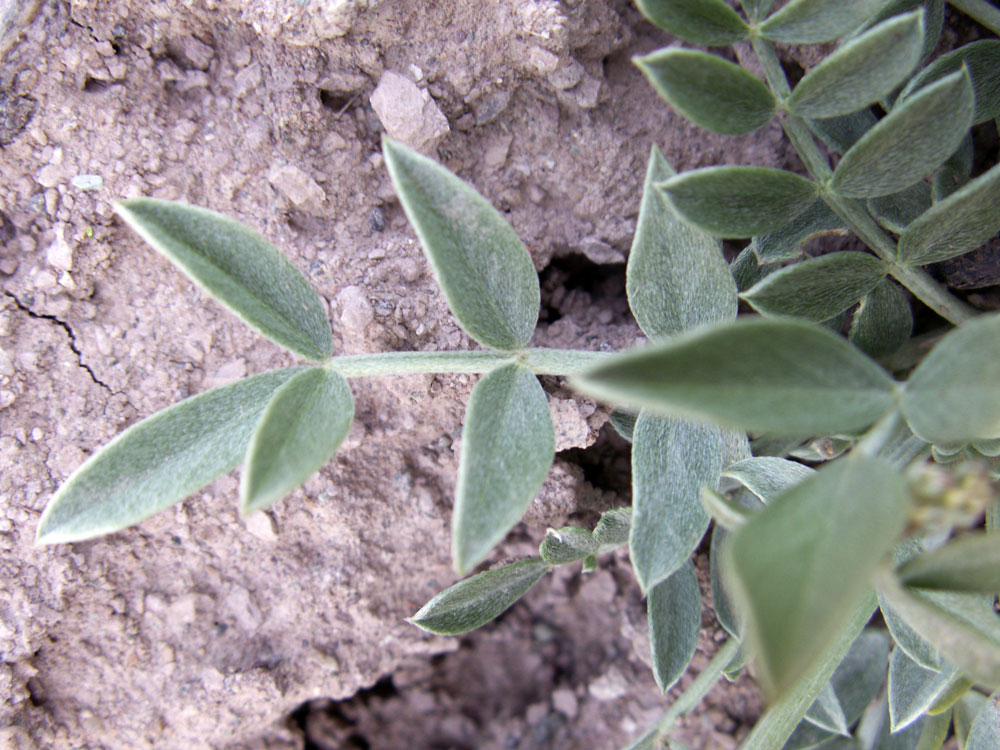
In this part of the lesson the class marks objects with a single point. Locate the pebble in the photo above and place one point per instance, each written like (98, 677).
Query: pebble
(542, 60)
(88, 182)
(566, 76)
(408, 113)
(262, 526)
(564, 701)
(356, 311)
(491, 106)
(298, 187)
(377, 219)
(59, 254)
(610, 686)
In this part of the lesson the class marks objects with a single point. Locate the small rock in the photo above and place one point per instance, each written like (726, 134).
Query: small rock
(191, 53)
(377, 219)
(50, 175)
(601, 252)
(588, 94)
(408, 113)
(491, 106)
(610, 686)
(564, 701)
(496, 152)
(6, 364)
(247, 80)
(356, 311)
(15, 114)
(567, 75)
(298, 187)
(542, 60)
(88, 181)
(59, 254)
(262, 526)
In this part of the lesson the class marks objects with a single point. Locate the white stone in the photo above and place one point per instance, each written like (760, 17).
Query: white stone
(408, 113)
(298, 187)
(261, 525)
(355, 310)
(59, 254)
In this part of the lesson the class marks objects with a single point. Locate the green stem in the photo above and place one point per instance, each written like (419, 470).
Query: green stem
(539, 361)
(854, 215)
(777, 724)
(696, 691)
(981, 12)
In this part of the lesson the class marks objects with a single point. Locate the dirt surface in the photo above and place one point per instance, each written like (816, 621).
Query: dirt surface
(196, 629)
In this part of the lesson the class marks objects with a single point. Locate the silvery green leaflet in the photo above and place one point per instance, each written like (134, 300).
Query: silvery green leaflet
(839, 464)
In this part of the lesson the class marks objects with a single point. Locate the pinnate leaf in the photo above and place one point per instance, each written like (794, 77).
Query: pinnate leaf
(909, 142)
(778, 376)
(711, 92)
(856, 682)
(840, 133)
(756, 9)
(239, 268)
(303, 425)
(897, 211)
(707, 22)
(674, 611)
(914, 689)
(814, 21)
(786, 243)
(160, 461)
(933, 20)
(572, 543)
(883, 322)
(471, 603)
(677, 277)
(982, 58)
(482, 267)
(508, 443)
(672, 460)
(969, 563)
(739, 201)
(965, 630)
(818, 288)
(954, 394)
(956, 225)
(985, 731)
(799, 566)
(861, 72)
(767, 476)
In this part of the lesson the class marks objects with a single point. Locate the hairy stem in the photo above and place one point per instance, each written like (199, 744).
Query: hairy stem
(698, 689)
(854, 215)
(981, 12)
(539, 361)
(780, 720)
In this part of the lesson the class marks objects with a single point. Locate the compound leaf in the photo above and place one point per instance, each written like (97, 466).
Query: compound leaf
(674, 611)
(969, 563)
(913, 689)
(909, 142)
(671, 461)
(818, 288)
(982, 58)
(897, 211)
(508, 444)
(856, 682)
(160, 461)
(677, 277)
(954, 394)
(303, 425)
(965, 631)
(827, 713)
(799, 566)
(478, 599)
(767, 476)
(814, 21)
(883, 322)
(778, 376)
(739, 201)
(711, 92)
(239, 268)
(861, 72)
(756, 9)
(985, 731)
(786, 243)
(572, 543)
(933, 20)
(956, 225)
(706, 22)
(482, 267)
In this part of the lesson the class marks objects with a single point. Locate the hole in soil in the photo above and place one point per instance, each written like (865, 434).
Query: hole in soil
(573, 280)
(338, 101)
(793, 71)
(93, 85)
(324, 721)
